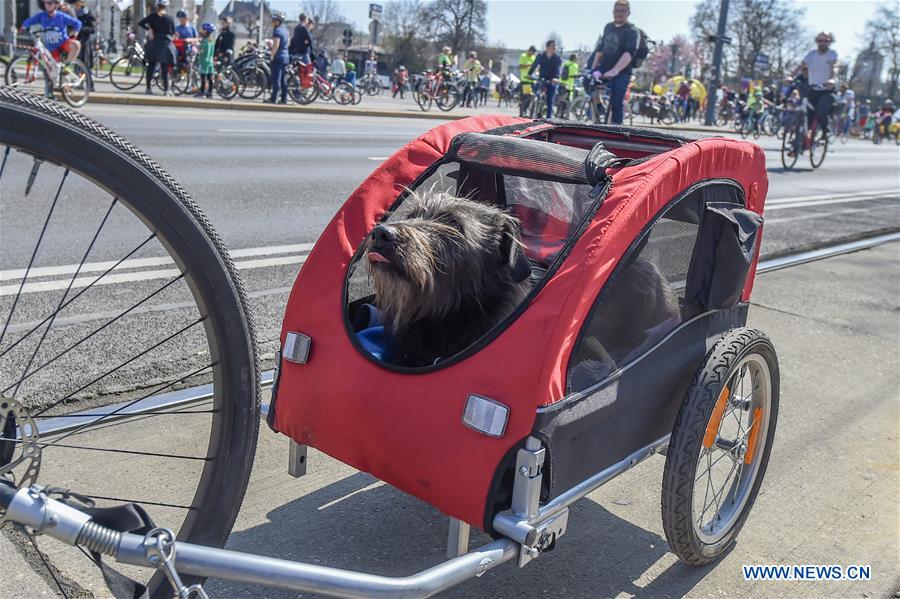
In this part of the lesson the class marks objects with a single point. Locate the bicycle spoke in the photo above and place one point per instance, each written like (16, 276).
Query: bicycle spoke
(34, 254)
(125, 451)
(59, 585)
(142, 414)
(28, 375)
(77, 295)
(62, 299)
(120, 366)
(3, 164)
(140, 501)
(135, 401)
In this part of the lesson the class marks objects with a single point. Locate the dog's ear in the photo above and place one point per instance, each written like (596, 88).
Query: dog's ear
(511, 250)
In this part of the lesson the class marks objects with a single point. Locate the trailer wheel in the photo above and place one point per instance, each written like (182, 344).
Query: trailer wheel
(720, 446)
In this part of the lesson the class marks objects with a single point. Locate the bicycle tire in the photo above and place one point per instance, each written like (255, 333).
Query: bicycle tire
(50, 131)
(301, 95)
(424, 100)
(668, 117)
(254, 81)
(85, 81)
(227, 83)
(131, 72)
(13, 80)
(788, 144)
(447, 97)
(343, 93)
(819, 139)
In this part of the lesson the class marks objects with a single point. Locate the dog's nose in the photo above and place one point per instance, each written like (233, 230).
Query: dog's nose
(384, 234)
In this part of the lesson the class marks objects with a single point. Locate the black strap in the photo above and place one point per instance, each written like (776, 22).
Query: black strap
(128, 517)
(597, 161)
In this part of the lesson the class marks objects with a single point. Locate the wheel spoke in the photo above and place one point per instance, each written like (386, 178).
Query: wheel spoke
(33, 253)
(140, 501)
(135, 401)
(125, 451)
(59, 585)
(3, 164)
(62, 299)
(77, 295)
(92, 333)
(120, 366)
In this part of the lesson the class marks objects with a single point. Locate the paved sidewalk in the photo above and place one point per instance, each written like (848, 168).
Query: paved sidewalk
(19, 580)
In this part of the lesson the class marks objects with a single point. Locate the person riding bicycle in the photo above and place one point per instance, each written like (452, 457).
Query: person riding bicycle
(821, 65)
(614, 56)
(526, 91)
(756, 107)
(884, 118)
(445, 61)
(567, 79)
(848, 114)
(472, 71)
(548, 66)
(55, 26)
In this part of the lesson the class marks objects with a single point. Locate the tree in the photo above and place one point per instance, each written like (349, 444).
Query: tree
(323, 12)
(403, 27)
(460, 24)
(884, 36)
(770, 27)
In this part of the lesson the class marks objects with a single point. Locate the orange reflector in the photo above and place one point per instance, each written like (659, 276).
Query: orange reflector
(712, 429)
(754, 433)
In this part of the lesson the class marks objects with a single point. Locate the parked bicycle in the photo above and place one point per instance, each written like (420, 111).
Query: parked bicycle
(38, 72)
(305, 84)
(435, 90)
(128, 72)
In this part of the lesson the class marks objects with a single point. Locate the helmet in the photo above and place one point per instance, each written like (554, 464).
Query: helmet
(402, 68)
(767, 89)
(208, 27)
(181, 14)
(278, 15)
(888, 102)
(163, 3)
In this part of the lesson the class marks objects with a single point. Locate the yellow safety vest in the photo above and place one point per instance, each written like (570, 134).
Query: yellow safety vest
(569, 73)
(525, 62)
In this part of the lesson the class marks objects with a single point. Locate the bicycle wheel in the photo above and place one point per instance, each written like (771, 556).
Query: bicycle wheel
(184, 81)
(343, 93)
(100, 68)
(447, 97)
(818, 147)
(75, 83)
(579, 108)
(81, 369)
(789, 147)
(668, 117)
(357, 95)
(254, 81)
(372, 86)
(424, 99)
(227, 83)
(300, 94)
(720, 446)
(127, 73)
(28, 75)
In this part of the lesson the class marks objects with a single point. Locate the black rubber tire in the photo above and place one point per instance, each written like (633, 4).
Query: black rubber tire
(447, 97)
(787, 144)
(301, 95)
(684, 446)
(71, 99)
(820, 139)
(134, 66)
(48, 129)
(10, 79)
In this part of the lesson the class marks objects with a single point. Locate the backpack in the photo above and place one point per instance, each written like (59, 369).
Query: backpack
(642, 48)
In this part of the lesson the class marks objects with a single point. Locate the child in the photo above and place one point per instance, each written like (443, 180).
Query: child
(205, 60)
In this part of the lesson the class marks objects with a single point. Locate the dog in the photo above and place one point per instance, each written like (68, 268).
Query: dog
(444, 275)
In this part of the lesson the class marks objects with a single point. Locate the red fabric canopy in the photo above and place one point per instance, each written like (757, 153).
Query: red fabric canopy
(406, 429)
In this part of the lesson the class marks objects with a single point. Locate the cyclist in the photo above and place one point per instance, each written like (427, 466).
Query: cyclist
(185, 34)
(548, 65)
(848, 99)
(205, 60)
(160, 50)
(756, 107)
(821, 65)
(224, 47)
(471, 69)
(567, 85)
(280, 57)
(338, 66)
(613, 57)
(401, 77)
(55, 35)
(351, 71)
(526, 60)
(885, 117)
(445, 61)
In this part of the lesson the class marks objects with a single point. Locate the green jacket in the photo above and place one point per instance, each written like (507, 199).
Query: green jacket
(569, 74)
(205, 58)
(525, 63)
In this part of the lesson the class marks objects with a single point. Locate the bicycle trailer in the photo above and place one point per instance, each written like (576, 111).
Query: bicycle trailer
(576, 385)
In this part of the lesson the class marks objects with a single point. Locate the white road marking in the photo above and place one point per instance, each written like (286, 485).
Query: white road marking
(310, 132)
(146, 275)
(378, 158)
(833, 196)
(133, 263)
(808, 204)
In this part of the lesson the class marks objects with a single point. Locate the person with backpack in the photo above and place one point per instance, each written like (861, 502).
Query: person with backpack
(620, 48)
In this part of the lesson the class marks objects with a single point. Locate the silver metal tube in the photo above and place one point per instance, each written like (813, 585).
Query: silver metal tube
(31, 508)
(278, 573)
(522, 531)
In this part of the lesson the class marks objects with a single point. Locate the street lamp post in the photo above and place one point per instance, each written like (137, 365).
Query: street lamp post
(717, 64)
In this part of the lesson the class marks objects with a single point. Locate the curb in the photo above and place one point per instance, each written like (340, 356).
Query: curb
(140, 100)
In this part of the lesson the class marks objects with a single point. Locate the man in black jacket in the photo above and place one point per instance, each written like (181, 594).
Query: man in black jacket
(85, 34)
(614, 56)
(224, 47)
(548, 66)
(301, 41)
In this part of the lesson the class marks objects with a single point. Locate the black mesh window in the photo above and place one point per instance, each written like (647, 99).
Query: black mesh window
(642, 301)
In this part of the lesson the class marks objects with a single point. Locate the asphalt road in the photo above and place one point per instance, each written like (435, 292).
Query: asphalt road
(270, 184)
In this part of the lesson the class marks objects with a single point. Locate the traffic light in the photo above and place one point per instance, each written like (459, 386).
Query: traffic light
(348, 37)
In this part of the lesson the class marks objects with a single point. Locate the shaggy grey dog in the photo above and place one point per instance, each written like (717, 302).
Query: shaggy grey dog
(444, 275)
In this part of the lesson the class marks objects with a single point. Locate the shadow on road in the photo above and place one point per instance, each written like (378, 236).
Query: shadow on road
(360, 524)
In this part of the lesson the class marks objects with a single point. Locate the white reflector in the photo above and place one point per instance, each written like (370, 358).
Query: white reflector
(486, 416)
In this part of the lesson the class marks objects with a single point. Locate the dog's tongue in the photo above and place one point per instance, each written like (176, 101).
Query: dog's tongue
(376, 257)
